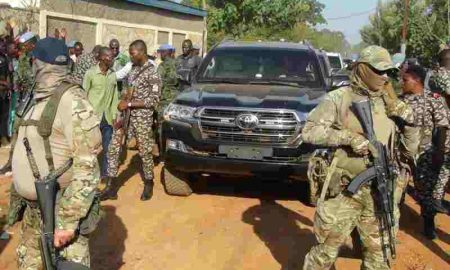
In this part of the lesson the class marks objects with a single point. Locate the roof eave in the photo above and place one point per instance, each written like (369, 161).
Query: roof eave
(172, 6)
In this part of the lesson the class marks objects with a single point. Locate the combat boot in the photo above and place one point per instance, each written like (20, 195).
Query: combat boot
(147, 193)
(440, 207)
(110, 192)
(429, 229)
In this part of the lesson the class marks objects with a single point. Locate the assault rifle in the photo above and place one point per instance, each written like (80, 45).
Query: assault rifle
(46, 189)
(126, 120)
(380, 175)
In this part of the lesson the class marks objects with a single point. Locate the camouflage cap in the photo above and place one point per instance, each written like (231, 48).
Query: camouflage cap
(377, 57)
(3, 31)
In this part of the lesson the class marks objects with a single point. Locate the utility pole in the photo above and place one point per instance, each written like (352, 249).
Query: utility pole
(380, 34)
(405, 28)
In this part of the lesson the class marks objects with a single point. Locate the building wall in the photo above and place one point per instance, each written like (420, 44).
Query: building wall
(23, 20)
(102, 20)
(76, 30)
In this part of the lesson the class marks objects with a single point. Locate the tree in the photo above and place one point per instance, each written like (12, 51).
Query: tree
(247, 17)
(425, 31)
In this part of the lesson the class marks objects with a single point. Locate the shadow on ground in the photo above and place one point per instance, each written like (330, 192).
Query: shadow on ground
(250, 187)
(282, 230)
(412, 224)
(107, 244)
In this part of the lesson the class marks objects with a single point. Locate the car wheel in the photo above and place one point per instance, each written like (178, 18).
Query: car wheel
(176, 183)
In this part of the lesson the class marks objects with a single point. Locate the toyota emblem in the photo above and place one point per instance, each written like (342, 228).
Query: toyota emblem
(247, 121)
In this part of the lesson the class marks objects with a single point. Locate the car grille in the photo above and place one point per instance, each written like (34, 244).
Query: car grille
(275, 127)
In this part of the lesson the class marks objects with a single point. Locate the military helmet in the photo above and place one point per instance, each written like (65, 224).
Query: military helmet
(377, 57)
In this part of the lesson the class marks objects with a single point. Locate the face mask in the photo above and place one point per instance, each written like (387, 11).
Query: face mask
(374, 82)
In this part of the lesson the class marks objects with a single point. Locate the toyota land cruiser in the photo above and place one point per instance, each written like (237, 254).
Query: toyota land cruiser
(243, 114)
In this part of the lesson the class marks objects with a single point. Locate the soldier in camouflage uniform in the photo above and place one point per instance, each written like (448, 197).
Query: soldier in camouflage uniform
(431, 116)
(168, 72)
(83, 64)
(75, 134)
(442, 86)
(145, 98)
(333, 124)
(25, 77)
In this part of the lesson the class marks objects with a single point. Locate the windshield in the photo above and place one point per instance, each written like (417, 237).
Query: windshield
(335, 62)
(260, 65)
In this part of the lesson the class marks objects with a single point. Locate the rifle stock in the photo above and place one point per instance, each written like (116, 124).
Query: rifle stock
(382, 173)
(46, 189)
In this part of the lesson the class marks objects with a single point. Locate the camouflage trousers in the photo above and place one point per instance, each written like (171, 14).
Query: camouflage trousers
(141, 129)
(334, 221)
(430, 183)
(28, 253)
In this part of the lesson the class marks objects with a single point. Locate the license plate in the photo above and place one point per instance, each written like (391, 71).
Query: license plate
(245, 152)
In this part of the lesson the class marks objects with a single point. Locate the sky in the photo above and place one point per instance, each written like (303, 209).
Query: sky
(348, 8)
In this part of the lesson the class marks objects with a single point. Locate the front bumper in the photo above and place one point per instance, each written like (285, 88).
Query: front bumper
(188, 152)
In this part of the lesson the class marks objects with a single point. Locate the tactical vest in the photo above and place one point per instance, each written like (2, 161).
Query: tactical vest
(349, 165)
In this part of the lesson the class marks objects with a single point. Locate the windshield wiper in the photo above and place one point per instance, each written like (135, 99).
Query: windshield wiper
(275, 82)
(230, 81)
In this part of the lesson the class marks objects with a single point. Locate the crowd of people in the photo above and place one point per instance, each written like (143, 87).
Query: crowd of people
(103, 73)
(77, 106)
(72, 105)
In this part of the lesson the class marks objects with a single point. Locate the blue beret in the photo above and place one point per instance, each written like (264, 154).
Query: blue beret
(166, 47)
(52, 51)
(71, 44)
(26, 37)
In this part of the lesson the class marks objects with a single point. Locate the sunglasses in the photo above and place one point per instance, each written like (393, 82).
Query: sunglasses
(389, 72)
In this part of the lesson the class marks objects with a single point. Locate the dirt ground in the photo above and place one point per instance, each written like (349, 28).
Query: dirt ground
(227, 224)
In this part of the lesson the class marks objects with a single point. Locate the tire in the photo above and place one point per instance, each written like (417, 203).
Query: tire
(176, 183)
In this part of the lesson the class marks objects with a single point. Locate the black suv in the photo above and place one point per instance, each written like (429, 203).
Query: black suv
(244, 114)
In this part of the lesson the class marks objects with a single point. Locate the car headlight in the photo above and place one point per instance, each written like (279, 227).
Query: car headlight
(179, 112)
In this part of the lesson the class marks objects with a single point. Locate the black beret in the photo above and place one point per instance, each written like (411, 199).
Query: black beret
(52, 51)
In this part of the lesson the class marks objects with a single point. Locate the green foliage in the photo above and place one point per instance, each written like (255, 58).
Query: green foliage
(427, 28)
(291, 20)
(247, 17)
(193, 3)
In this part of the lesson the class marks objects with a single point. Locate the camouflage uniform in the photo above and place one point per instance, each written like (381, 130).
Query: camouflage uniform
(74, 135)
(170, 88)
(333, 124)
(83, 64)
(25, 78)
(147, 89)
(442, 79)
(430, 112)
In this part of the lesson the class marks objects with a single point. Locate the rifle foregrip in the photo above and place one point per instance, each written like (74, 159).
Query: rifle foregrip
(361, 179)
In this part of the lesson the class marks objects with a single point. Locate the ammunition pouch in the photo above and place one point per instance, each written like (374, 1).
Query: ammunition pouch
(93, 217)
(319, 167)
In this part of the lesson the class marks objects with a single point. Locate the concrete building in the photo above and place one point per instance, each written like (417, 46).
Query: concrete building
(98, 21)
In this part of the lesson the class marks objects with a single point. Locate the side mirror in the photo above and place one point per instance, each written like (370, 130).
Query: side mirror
(338, 81)
(185, 75)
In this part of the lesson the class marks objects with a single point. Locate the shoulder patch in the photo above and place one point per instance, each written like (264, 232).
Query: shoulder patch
(436, 95)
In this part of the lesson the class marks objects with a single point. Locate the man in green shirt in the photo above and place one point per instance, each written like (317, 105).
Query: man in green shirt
(100, 85)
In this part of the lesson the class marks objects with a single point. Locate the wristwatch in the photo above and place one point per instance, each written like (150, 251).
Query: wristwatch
(129, 105)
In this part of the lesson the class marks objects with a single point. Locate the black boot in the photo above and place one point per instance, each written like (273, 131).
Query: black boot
(147, 193)
(110, 192)
(429, 229)
(440, 207)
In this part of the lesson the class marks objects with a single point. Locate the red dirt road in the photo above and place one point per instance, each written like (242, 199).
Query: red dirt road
(227, 224)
